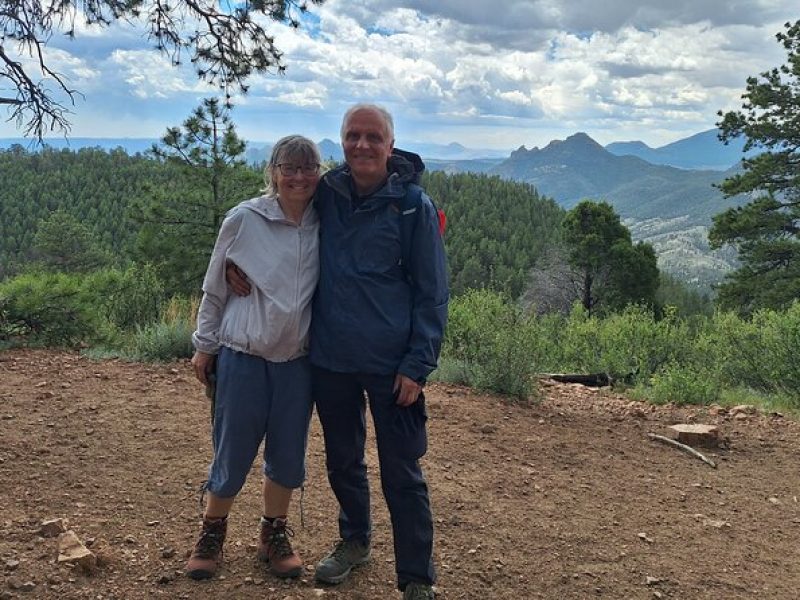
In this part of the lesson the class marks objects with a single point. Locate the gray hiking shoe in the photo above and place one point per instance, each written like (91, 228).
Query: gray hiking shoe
(335, 567)
(418, 591)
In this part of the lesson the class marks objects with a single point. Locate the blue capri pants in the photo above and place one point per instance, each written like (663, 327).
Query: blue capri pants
(258, 400)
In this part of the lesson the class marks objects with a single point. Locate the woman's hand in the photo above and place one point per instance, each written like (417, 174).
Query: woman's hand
(203, 365)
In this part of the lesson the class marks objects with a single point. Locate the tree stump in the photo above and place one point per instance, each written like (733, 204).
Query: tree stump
(706, 436)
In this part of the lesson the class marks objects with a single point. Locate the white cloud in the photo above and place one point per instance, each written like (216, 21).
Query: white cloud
(151, 75)
(506, 73)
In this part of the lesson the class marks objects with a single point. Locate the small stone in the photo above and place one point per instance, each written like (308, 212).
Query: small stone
(165, 578)
(14, 583)
(167, 552)
(248, 580)
(11, 565)
(52, 528)
(652, 580)
(774, 500)
(153, 523)
(643, 536)
(72, 551)
(129, 539)
(28, 586)
(488, 428)
(716, 523)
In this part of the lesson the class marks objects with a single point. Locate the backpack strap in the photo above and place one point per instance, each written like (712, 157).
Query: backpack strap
(409, 208)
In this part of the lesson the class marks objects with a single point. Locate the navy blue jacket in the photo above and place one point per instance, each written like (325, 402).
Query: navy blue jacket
(375, 310)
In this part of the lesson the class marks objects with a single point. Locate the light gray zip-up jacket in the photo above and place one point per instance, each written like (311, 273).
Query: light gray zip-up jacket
(281, 260)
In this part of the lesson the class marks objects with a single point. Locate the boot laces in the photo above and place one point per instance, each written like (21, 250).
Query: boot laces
(279, 539)
(210, 542)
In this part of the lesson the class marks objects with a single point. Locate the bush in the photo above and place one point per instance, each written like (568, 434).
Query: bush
(160, 342)
(631, 345)
(759, 353)
(681, 385)
(167, 339)
(50, 309)
(494, 341)
(67, 309)
(130, 297)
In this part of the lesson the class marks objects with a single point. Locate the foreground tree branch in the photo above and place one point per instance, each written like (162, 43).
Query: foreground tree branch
(225, 45)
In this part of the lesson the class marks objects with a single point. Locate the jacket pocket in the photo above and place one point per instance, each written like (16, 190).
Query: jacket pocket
(379, 248)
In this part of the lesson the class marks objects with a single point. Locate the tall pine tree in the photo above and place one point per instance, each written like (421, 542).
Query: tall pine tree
(766, 231)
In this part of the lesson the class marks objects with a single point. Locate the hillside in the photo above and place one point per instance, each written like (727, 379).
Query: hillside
(561, 499)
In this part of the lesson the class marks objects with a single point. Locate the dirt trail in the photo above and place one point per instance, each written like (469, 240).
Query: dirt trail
(566, 498)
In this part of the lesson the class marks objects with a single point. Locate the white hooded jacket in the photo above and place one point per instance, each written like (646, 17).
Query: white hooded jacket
(281, 261)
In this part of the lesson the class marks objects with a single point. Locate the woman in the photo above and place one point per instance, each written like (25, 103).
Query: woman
(256, 346)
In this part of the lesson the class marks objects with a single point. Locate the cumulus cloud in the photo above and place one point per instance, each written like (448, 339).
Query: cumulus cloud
(501, 73)
(151, 75)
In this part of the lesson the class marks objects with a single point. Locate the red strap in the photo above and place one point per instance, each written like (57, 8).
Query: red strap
(442, 221)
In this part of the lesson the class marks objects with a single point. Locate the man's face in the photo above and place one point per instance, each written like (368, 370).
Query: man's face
(367, 146)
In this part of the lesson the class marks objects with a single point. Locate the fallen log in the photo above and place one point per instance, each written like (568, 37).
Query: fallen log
(682, 447)
(590, 380)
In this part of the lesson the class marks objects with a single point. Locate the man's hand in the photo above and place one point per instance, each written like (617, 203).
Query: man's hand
(407, 390)
(203, 365)
(236, 279)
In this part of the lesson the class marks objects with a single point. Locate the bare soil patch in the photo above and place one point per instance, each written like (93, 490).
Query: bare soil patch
(565, 498)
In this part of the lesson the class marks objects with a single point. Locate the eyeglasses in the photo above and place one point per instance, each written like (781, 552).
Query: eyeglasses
(287, 169)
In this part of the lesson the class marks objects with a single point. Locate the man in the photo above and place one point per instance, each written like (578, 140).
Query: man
(378, 319)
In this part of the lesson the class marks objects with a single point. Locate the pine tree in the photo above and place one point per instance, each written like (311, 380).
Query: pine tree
(766, 231)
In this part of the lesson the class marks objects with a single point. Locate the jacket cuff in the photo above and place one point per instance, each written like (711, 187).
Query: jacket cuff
(204, 345)
(414, 370)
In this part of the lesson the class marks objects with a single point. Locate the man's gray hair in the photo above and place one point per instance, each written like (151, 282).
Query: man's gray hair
(292, 148)
(385, 114)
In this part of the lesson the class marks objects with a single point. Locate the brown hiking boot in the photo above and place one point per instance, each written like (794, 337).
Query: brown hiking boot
(275, 548)
(206, 557)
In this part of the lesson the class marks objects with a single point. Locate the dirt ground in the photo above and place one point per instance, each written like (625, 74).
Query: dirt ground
(564, 498)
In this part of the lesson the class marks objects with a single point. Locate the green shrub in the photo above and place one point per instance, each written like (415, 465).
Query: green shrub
(451, 370)
(50, 309)
(130, 297)
(67, 309)
(494, 341)
(758, 353)
(631, 345)
(160, 342)
(681, 385)
(166, 339)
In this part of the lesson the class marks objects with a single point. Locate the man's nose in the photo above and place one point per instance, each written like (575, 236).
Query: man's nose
(361, 142)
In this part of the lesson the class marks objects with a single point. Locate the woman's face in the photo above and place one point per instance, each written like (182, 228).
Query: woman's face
(295, 179)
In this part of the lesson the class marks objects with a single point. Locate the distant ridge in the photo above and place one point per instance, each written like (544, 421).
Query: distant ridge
(700, 151)
(578, 167)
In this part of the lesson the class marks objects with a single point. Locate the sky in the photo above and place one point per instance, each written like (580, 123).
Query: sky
(483, 74)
